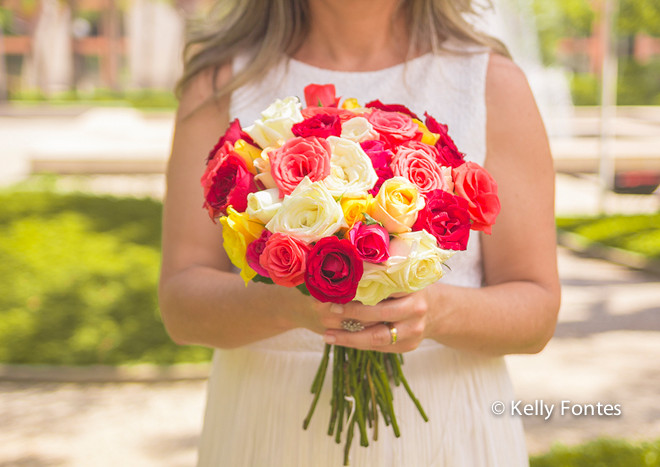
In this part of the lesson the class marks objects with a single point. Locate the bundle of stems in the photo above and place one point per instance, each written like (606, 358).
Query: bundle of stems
(361, 392)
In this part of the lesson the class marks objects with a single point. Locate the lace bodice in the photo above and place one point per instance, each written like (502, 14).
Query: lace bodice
(450, 87)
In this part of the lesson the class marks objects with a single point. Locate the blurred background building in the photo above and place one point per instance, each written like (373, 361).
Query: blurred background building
(55, 46)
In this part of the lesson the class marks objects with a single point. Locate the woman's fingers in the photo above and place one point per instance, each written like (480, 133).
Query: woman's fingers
(377, 337)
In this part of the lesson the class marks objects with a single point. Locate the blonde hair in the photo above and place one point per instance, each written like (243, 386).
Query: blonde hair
(267, 30)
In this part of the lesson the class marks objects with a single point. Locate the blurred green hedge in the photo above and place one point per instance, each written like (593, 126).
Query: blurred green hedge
(601, 453)
(78, 281)
(639, 233)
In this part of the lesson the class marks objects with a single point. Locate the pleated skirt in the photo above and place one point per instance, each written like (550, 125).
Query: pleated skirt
(258, 398)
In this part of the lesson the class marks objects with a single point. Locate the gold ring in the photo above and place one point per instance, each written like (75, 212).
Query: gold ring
(393, 333)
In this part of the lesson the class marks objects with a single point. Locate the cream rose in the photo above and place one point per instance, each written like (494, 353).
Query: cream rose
(375, 285)
(351, 170)
(276, 122)
(262, 205)
(397, 204)
(415, 260)
(309, 213)
(358, 129)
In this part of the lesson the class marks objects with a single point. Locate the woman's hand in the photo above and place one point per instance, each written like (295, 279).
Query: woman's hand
(409, 314)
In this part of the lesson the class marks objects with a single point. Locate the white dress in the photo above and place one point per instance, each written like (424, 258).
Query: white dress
(258, 395)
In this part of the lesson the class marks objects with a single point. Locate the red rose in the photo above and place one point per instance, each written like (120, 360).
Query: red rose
(299, 158)
(372, 242)
(475, 184)
(321, 95)
(381, 157)
(284, 258)
(343, 114)
(254, 250)
(226, 182)
(394, 127)
(321, 125)
(233, 134)
(449, 156)
(391, 108)
(446, 217)
(418, 162)
(334, 270)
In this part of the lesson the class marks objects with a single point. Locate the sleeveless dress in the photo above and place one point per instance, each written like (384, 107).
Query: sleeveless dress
(258, 395)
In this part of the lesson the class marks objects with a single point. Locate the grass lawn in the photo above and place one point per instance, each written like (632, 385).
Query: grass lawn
(78, 279)
(601, 453)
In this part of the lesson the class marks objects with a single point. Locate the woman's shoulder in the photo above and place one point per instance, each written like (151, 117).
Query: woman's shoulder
(505, 81)
(201, 90)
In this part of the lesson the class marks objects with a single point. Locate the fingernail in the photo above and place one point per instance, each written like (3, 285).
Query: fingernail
(335, 308)
(329, 339)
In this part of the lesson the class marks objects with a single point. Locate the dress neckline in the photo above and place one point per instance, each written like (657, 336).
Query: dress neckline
(306, 66)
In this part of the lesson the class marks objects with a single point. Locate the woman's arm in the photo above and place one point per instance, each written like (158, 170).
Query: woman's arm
(517, 310)
(201, 301)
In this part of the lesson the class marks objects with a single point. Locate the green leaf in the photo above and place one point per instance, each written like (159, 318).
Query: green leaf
(303, 288)
(368, 220)
(264, 279)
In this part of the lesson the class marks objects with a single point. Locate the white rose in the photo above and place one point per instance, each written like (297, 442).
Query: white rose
(375, 285)
(309, 213)
(276, 122)
(262, 205)
(358, 129)
(416, 260)
(351, 171)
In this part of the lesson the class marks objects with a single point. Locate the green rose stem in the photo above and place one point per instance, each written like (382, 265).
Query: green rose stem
(361, 386)
(317, 385)
(408, 390)
(372, 393)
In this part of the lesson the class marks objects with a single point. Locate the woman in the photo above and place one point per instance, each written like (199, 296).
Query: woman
(501, 296)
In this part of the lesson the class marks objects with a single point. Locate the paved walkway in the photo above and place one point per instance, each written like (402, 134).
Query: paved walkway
(605, 350)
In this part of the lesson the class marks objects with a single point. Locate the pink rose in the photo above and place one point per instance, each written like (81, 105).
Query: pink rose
(299, 158)
(381, 157)
(233, 134)
(321, 125)
(394, 127)
(391, 108)
(446, 217)
(417, 162)
(226, 182)
(284, 258)
(372, 242)
(334, 270)
(475, 184)
(321, 95)
(254, 250)
(449, 155)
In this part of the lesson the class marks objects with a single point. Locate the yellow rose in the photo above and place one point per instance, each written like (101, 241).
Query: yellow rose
(248, 152)
(238, 231)
(397, 204)
(350, 104)
(427, 136)
(354, 208)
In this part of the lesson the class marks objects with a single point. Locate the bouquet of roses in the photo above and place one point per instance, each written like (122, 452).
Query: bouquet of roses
(346, 203)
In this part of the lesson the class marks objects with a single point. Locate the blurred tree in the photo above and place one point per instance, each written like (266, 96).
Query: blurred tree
(556, 19)
(639, 16)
